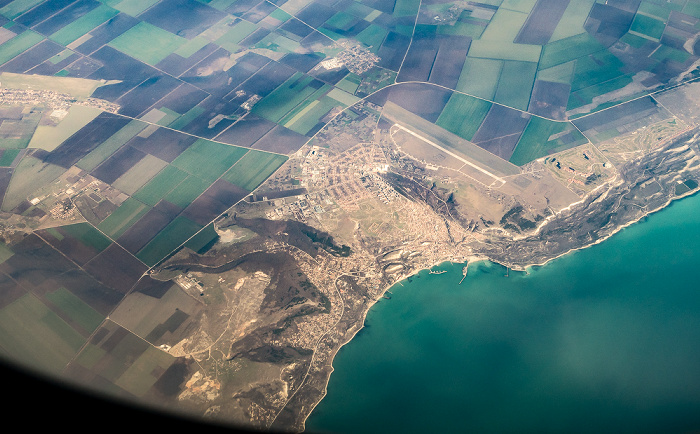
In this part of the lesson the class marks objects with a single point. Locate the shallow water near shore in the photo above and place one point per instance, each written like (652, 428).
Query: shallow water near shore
(605, 339)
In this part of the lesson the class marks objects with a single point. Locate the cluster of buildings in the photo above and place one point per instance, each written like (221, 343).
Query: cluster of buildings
(300, 208)
(375, 184)
(51, 99)
(355, 57)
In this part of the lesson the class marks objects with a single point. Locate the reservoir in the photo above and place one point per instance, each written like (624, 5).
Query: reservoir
(605, 339)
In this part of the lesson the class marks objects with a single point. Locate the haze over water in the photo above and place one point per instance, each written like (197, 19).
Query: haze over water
(606, 339)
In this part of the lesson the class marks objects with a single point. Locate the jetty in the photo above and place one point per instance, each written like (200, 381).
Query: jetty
(465, 269)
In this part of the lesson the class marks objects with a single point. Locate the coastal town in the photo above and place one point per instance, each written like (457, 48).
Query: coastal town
(202, 200)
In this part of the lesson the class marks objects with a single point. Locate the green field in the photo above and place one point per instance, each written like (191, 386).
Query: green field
(8, 156)
(187, 191)
(463, 115)
(562, 73)
(571, 23)
(648, 26)
(280, 15)
(534, 142)
(147, 43)
(519, 5)
(161, 184)
(504, 50)
(236, 34)
(254, 168)
(594, 69)
(340, 20)
(634, 40)
(344, 98)
(139, 174)
(692, 8)
(76, 309)
(204, 239)
(58, 58)
(111, 145)
(84, 24)
(479, 77)
(31, 333)
(278, 43)
(18, 7)
(192, 46)
(463, 27)
(282, 100)
(208, 160)
(123, 217)
(186, 118)
(19, 44)
(350, 83)
(662, 11)
(586, 95)
(169, 118)
(306, 104)
(504, 26)
(496, 41)
(130, 7)
(87, 235)
(403, 8)
(167, 240)
(307, 118)
(515, 84)
(566, 50)
(664, 53)
(372, 36)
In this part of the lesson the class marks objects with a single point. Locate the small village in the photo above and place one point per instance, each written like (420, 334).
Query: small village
(52, 100)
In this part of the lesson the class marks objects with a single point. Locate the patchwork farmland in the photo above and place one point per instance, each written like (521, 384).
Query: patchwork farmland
(128, 127)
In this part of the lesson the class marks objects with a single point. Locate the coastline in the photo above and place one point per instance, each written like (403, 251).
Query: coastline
(478, 258)
(600, 240)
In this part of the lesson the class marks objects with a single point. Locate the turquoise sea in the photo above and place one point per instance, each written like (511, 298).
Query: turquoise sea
(606, 339)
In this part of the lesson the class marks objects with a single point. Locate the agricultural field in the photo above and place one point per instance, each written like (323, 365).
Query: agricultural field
(156, 318)
(253, 168)
(160, 43)
(17, 126)
(621, 119)
(37, 336)
(463, 114)
(542, 137)
(123, 359)
(170, 112)
(48, 137)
